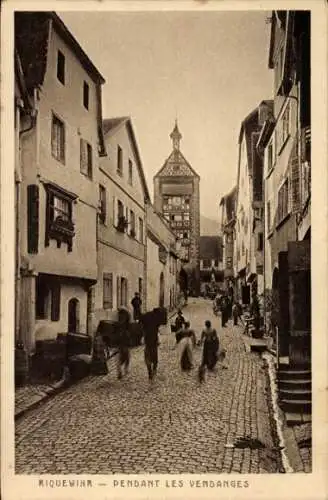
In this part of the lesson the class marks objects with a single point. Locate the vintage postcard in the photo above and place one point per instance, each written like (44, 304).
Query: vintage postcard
(164, 250)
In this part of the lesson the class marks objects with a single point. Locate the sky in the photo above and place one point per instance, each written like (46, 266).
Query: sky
(207, 69)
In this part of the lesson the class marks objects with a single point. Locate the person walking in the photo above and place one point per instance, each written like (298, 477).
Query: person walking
(236, 313)
(179, 323)
(136, 304)
(186, 345)
(224, 310)
(150, 324)
(98, 361)
(123, 342)
(210, 341)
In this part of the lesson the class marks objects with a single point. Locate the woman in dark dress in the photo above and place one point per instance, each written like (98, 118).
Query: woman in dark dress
(179, 323)
(210, 349)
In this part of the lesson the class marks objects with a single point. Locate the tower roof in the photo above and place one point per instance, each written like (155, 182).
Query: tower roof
(176, 164)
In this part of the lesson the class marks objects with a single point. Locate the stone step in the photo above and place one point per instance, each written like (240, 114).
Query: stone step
(295, 394)
(295, 383)
(296, 405)
(297, 418)
(294, 374)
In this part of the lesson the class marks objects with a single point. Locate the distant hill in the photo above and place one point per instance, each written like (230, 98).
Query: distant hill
(209, 227)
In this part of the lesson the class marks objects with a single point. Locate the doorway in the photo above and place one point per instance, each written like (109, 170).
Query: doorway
(73, 316)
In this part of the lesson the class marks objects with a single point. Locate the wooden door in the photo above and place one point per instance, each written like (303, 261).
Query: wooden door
(299, 271)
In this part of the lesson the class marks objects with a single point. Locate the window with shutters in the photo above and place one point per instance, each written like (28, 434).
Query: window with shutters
(120, 209)
(119, 161)
(85, 95)
(121, 219)
(61, 67)
(118, 292)
(58, 139)
(294, 178)
(130, 172)
(132, 222)
(283, 202)
(47, 298)
(278, 70)
(141, 230)
(102, 204)
(32, 218)
(85, 158)
(108, 291)
(285, 124)
(55, 302)
(42, 298)
(124, 292)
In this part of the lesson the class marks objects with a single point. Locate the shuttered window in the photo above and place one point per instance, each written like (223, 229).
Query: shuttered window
(102, 204)
(286, 124)
(130, 172)
(124, 292)
(58, 139)
(141, 230)
(132, 222)
(283, 204)
(108, 291)
(85, 158)
(119, 161)
(55, 302)
(32, 218)
(120, 209)
(118, 291)
(294, 178)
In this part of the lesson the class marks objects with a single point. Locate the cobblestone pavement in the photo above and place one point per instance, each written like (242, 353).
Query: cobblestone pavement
(172, 425)
(303, 437)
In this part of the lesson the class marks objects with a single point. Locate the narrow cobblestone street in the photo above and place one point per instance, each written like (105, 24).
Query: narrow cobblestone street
(174, 425)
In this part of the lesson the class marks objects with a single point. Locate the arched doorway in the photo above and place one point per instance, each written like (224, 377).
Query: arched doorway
(161, 290)
(73, 315)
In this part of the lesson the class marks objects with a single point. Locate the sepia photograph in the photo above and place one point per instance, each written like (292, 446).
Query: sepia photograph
(162, 238)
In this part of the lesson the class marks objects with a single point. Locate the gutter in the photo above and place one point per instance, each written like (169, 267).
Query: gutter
(276, 411)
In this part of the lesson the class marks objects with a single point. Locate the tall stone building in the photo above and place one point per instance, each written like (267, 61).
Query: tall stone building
(176, 196)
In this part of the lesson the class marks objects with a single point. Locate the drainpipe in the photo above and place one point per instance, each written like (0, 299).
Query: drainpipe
(18, 180)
